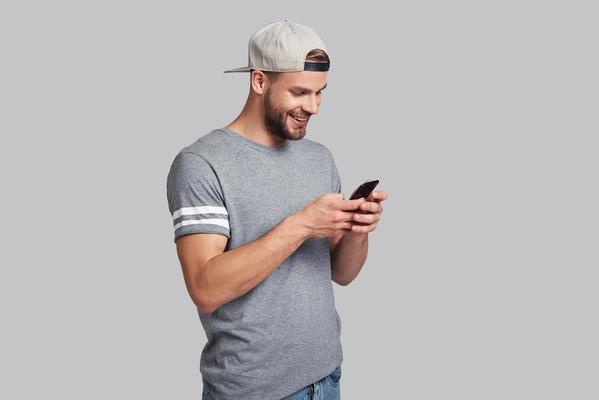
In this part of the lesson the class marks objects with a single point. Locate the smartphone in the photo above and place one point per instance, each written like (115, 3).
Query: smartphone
(364, 189)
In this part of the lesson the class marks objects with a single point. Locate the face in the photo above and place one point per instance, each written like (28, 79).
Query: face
(293, 94)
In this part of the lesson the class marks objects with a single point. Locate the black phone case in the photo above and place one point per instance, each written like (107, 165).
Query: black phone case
(364, 189)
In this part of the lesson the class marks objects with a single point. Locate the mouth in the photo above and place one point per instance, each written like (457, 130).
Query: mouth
(299, 122)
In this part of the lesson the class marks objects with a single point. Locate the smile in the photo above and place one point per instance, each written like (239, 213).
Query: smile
(300, 122)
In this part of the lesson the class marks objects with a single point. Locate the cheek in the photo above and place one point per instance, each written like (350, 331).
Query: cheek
(285, 104)
(291, 105)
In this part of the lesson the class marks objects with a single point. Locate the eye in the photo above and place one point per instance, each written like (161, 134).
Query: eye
(302, 93)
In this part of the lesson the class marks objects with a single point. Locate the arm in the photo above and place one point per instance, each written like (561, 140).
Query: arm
(231, 274)
(348, 254)
(214, 277)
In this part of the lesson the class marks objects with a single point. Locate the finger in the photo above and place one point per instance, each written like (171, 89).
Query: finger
(371, 207)
(351, 204)
(377, 195)
(346, 226)
(345, 216)
(366, 218)
(342, 228)
(363, 228)
(368, 206)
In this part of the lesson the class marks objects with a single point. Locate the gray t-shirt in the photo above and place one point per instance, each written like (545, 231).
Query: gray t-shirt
(285, 333)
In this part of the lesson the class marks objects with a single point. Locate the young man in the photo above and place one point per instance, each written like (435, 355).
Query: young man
(262, 228)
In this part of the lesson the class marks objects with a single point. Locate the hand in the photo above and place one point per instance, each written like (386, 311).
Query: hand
(329, 215)
(369, 214)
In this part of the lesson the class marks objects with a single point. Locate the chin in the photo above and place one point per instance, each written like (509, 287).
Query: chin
(296, 135)
(292, 131)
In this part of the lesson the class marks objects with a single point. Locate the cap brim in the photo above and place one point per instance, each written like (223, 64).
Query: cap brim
(241, 69)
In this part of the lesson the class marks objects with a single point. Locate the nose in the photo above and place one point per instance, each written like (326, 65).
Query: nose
(311, 105)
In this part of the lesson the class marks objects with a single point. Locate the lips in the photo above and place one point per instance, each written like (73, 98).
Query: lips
(299, 122)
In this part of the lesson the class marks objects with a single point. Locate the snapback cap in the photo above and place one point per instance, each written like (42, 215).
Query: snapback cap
(282, 46)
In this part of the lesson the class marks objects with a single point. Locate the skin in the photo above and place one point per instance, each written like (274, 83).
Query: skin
(266, 116)
(215, 277)
(266, 119)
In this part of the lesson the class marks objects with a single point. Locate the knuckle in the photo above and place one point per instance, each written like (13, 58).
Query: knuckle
(341, 216)
(338, 216)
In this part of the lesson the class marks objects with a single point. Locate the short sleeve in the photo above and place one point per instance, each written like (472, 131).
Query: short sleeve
(335, 178)
(195, 197)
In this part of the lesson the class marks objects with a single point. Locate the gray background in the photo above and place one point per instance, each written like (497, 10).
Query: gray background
(479, 118)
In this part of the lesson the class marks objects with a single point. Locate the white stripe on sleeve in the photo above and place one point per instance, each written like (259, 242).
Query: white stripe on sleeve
(199, 210)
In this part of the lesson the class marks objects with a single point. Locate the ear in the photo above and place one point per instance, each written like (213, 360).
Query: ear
(258, 81)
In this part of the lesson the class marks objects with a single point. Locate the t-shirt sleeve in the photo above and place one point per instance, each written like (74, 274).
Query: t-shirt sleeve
(195, 197)
(335, 177)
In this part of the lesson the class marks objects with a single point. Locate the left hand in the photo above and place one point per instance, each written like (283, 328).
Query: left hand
(369, 213)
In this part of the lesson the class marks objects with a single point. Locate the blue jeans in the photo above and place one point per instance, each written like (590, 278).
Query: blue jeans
(328, 388)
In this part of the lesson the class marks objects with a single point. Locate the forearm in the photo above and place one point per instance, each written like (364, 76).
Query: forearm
(235, 272)
(348, 257)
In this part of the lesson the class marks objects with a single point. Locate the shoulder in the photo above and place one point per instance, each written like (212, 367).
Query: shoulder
(210, 145)
(209, 149)
(201, 156)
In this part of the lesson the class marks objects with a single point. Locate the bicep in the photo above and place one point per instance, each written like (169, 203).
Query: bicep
(194, 252)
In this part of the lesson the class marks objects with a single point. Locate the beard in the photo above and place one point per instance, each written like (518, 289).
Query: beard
(275, 121)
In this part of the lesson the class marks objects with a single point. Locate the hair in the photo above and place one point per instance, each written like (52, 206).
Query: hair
(315, 55)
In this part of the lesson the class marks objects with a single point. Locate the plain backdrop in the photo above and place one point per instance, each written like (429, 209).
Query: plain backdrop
(479, 119)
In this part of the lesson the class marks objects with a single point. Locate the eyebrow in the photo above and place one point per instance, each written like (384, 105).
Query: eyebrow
(306, 89)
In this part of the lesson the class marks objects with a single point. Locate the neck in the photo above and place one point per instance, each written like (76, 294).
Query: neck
(250, 124)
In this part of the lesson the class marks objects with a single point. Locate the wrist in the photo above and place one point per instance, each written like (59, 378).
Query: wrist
(356, 237)
(297, 224)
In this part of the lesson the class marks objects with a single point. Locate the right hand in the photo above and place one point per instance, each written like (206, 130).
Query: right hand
(330, 215)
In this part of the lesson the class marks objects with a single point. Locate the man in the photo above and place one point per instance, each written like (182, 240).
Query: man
(262, 228)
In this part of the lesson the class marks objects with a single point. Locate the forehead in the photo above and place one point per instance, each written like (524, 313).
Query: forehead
(313, 80)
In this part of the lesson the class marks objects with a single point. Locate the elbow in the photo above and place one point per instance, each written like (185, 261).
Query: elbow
(202, 302)
(335, 278)
(204, 306)
(341, 283)
(203, 297)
